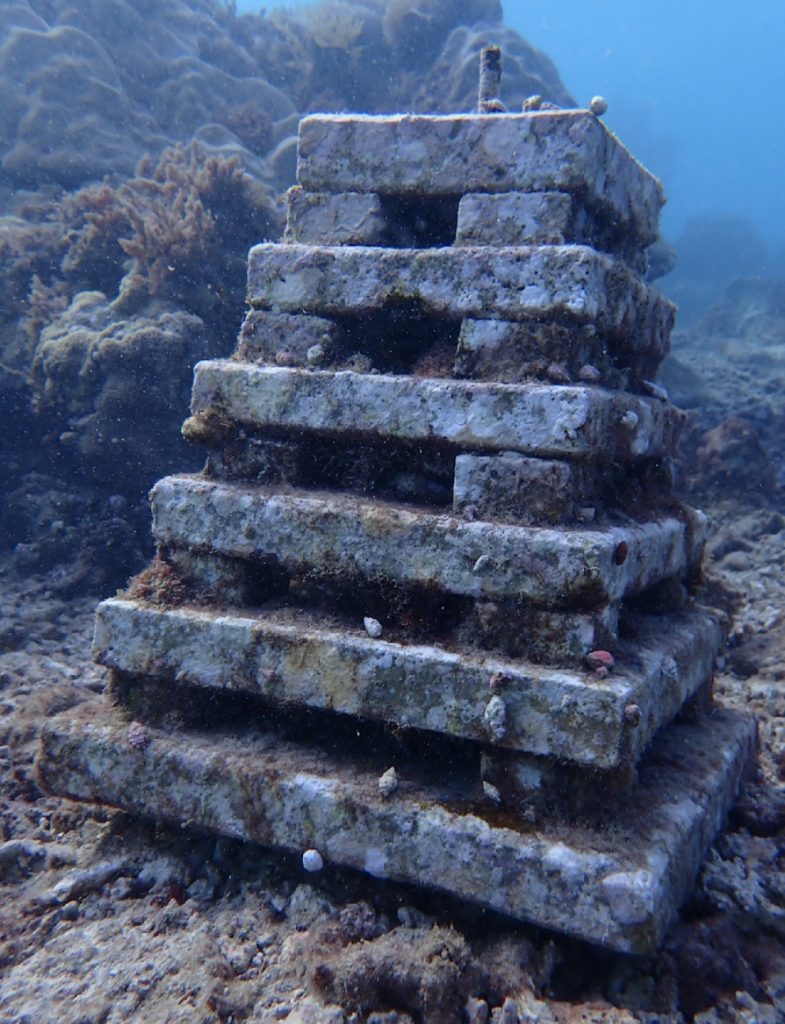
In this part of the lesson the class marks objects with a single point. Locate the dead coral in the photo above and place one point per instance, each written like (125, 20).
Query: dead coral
(179, 231)
(729, 459)
(337, 58)
(95, 219)
(288, 56)
(170, 226)
(54, 248)
(426, 972)
(108, 385)
(33, 293)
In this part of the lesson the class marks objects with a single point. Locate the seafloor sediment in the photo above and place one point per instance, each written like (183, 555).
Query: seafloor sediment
(110, 919)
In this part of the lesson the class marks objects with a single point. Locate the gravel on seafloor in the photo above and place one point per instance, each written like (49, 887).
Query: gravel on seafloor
(106, 918)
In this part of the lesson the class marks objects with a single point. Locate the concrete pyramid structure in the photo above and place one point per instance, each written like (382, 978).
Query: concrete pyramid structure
(429, 608)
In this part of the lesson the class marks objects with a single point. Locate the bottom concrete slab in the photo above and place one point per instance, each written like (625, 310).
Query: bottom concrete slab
(617, 886)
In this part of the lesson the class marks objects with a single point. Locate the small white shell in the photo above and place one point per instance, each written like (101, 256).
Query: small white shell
(388, 783)
(312, 860)
(598, 105)
(491, 792)
(372, 627)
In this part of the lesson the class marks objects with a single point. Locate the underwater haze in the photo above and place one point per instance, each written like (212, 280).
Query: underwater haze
(392, 584)
(693, 90)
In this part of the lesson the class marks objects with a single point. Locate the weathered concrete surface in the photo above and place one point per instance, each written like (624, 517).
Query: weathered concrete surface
(345, 218)
(253, 459)
(561, 150)
(293, 658)
(506, 350)
(553, 636)
(283, 338)
(540, 218)
(517, 488)
(572, 282)
(518, 218)
(345, 536)
(618, 887)
(537, 419)
(499, 219)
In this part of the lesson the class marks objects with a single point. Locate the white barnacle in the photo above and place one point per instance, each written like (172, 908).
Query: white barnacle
(315, 355)
(632, 714)
(494, 717)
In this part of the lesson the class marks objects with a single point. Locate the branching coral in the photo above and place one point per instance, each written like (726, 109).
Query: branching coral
(178, 232)
(95, 219)
(171, 228)
(191, 219)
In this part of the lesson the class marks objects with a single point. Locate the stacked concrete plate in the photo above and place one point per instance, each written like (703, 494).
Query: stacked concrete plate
(428, 610)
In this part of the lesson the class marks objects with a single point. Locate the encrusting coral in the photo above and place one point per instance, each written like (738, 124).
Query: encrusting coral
(416, 29)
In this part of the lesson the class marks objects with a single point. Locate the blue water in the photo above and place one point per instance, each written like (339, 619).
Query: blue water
(694, 89)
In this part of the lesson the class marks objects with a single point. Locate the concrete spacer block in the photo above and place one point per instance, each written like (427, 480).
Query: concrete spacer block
(343, 218)
(503, 350)
(518, 488)
(284, 339)
(519, 629)
(260, 460)
(517, 218)
(540, 218)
